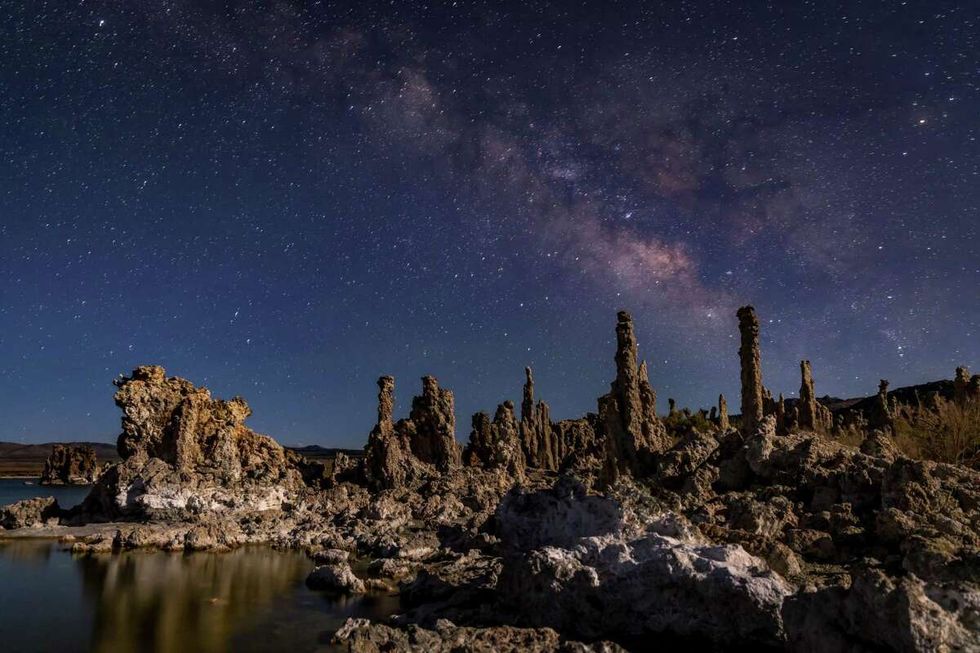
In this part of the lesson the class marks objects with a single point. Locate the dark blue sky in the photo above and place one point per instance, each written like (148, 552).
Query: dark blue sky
(286, 200)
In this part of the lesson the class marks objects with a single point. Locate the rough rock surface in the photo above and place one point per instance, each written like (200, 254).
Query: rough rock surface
(751, 360)
(336, 576)
(574, 567)
(770, 537)
(412, 449)
(70, 465)
(497, 444)
(362, 636)
(185, 454)
(723, 423)
(632, 430)
(541, 449)
(29, 513)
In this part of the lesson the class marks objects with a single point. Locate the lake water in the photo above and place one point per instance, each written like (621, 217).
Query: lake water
(14, 489)
(250, 599)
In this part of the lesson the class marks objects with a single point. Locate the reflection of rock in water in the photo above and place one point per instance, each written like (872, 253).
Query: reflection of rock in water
(175, 602)
(26, 552)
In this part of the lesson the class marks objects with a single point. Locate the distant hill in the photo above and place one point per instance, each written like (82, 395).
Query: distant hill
(18, 451)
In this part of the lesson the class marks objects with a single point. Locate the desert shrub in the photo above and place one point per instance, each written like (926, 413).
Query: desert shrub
(946, 432)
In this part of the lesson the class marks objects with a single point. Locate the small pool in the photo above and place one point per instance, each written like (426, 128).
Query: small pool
(251, 599)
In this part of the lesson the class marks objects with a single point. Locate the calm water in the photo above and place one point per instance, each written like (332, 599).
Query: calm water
(252, 599)
(13, 489)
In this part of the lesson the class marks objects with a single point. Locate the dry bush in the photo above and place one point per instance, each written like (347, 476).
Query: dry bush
(947, 432)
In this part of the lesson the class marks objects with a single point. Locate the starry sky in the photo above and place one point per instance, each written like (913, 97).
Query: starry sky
(285, 200)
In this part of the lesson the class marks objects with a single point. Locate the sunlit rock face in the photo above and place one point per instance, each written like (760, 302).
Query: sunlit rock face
(186, 453)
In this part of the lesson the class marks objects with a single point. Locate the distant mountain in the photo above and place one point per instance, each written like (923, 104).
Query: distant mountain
(905, 395)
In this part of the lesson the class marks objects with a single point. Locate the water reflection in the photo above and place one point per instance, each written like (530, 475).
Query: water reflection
(249, 599)
(160, 602)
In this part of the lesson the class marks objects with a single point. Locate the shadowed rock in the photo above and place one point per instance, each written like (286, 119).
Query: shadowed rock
(632, 429)
(496, 444)
(722, 413)
(70, 465)
(751, 362)
(537, 436)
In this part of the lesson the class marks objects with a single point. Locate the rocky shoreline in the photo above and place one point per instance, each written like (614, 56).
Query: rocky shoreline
(615, 531)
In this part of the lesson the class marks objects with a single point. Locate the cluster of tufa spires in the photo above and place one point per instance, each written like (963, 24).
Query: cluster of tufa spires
(625, 437)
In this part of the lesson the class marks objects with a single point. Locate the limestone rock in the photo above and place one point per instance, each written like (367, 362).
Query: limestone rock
(363, 636)
(412, 449)
(751, 361)
(880, 613)
(387, 454)
(186, 453)
(882, 417)
(29, 513)
(608, 585)
(70, 465)
(722, 413)
(541, 448)
(335, 577)
(496, 444)
(433, 416)
(633, 432)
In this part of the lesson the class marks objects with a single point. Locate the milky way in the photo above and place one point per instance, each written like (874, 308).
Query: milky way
(287, 200)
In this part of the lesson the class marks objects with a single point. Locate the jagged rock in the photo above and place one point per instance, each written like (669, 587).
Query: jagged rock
(808, 398)
(70, 465)
(880, 613)
(723, 423)
(881, 418)
(751, 362)
(387, 454)
(961, 385)
(607, 585)
(496, 444)
(433, 439)
(29, 513)
(363, 636)
(880, 445)
(555, 517)
(335, 577)
(541, 448)
(188, 454)
(415, 448)
(633, 432)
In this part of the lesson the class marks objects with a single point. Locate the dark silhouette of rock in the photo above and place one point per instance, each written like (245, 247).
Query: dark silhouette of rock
(808, 398)
(961, 385)
(751, 362)
(537, 436)
(70, 465)
(387, 454)
(399, 453)
(881, 416)
(434, 418)
(496, 444)
(631, 427)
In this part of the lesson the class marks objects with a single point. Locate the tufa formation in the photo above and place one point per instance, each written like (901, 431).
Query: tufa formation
(70, 465)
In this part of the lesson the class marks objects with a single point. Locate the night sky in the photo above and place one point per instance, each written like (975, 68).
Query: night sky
(286, 200)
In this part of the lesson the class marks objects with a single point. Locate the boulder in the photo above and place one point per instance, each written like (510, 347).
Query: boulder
(29, 513)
